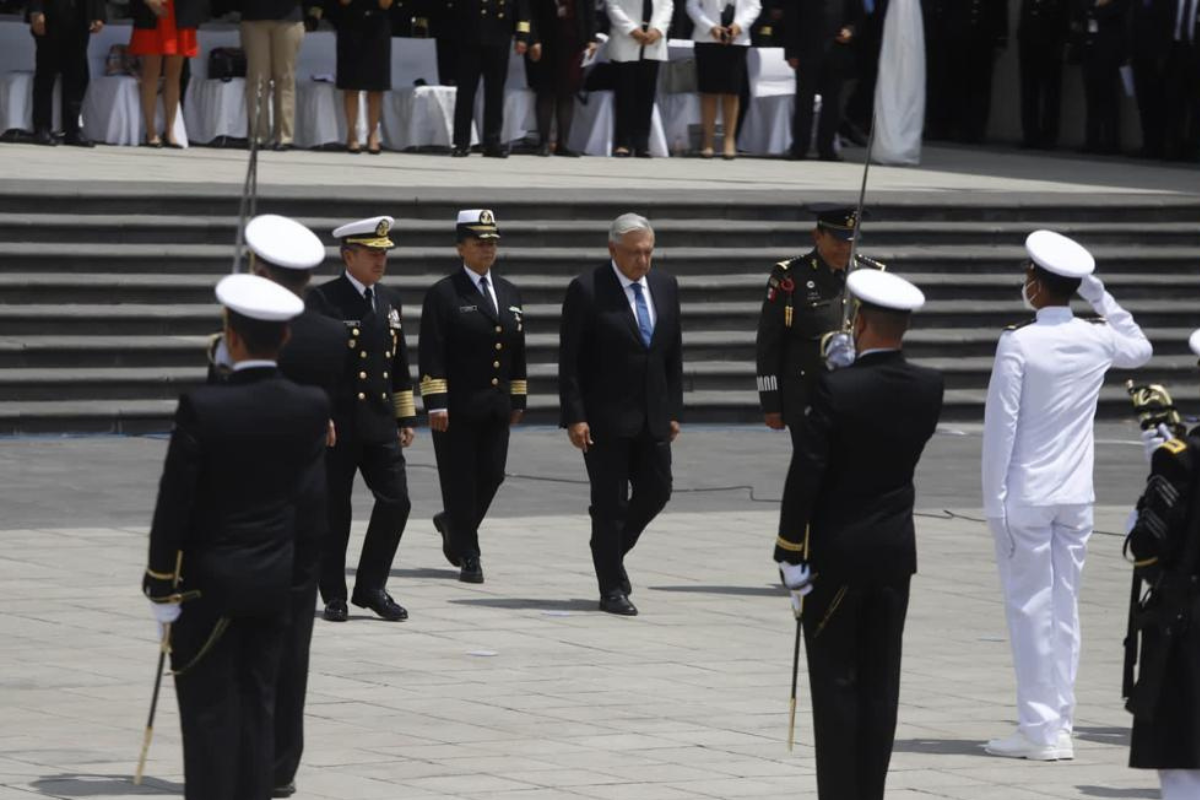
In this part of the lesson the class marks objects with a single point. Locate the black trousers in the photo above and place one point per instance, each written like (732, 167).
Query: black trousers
(227, 704)
(292, 684)
(1182, 118)
(631, 483)
(383, 468)
(1150, 79)
(62, 51)
(1101, 82)
(633, 103)
(824, 77)
(447, 60)
(491, 63)
(860, 107)
(853, 637)
(1041, 65)
(471, 455)
(968, 85)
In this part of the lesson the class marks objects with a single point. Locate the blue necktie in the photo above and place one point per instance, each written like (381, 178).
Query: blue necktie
(487, 296)
(643, 313)
(869, 6)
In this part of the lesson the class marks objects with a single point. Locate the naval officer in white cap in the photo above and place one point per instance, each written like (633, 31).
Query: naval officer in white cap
(1037, 478)
(846, 537)
(240, 455)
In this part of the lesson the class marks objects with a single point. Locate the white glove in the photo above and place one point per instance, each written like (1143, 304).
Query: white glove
(839, 353)
(796, 577)
(1131, 521)
(165, 614)
(1091, 289)
(1153, 439)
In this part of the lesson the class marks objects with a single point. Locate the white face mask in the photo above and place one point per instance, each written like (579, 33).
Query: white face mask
(1026, 300)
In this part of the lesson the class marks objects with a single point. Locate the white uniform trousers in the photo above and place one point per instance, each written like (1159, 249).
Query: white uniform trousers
(1040, 552)
(1180, 784)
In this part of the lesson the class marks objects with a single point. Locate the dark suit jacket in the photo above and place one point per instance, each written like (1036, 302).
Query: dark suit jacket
(606, 376)
(491, 22)
(851, 482)
(473, 362)
(242, 456)
(376, 395)
(80, 12)
(545, 21)
(1153, 29)
(811, 27)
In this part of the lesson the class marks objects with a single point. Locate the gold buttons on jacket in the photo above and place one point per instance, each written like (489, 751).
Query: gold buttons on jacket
(385, 374)
(362, 376)
(383, 395)
(496, 365)
(499, 329)
(387, 353)
(363, 354)
(353, 343)
(499, 346)
(355, 331)
(362, 396)
(495, 381)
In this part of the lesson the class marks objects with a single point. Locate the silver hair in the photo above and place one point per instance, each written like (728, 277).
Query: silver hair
(628, 223)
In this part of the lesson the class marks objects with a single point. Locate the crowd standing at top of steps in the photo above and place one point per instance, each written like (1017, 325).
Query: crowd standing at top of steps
(1144, 48)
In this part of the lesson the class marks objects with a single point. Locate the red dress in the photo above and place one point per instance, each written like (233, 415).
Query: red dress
(165, 39)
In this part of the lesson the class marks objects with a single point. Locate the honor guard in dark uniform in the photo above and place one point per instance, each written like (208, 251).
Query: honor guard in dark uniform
(473, 384)
(1163, 644)
(818, 37)
(435, 18)
(803, 303)
(1104, 51)
(1042, 40)
(963, 40)
(285, 252)
(846, 535)
(243, 465)
(374, 416)
(485, 30)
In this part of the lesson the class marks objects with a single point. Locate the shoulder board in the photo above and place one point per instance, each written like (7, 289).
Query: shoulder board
(1174, 446)
(1018, 325)
(1095, 320)
(783, 265)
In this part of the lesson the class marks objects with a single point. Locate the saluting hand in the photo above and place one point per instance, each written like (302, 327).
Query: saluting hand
(406, 436)
(580, 435)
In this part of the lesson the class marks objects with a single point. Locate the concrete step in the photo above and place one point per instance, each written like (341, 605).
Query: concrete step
(195, 259)
(788, 236)
(155, 288)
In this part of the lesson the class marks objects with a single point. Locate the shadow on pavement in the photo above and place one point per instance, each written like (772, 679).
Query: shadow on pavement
(76, 785)
(745, 591)
(941, 747)
(1105, 791)
(1118, 737)
(529, 604)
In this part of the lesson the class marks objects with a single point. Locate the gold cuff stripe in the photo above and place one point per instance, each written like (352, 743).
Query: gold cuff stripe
(404, 404)
(160, 576)
(434, 386)
(518, 387)
(791, 547)
(1147, 562)
(522, 27)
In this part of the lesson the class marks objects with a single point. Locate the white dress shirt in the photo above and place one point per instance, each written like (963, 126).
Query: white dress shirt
(632, 298)
(1041, 402)
(255, 363)
(475, 278)
(362, 288)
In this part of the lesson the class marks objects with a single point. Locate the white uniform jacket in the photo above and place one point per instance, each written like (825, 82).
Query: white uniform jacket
(706, 15)
(1041, 403)
(625, 17)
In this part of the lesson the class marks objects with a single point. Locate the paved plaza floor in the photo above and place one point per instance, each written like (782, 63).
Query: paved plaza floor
(518, 689)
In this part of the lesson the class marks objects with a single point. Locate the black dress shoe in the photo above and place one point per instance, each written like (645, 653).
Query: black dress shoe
(283, 147)
(797, 155)
(460, 152)
(439, 523)
(77, 139)
(472, 571)
(287, 790)
(381, 603)
(643, 154)
(834, 157)
(617, 603)
(544, 150)
(336, 611)
(852, 133)
(495, 151)
(45, 138)
(626, 586)
(566, 152)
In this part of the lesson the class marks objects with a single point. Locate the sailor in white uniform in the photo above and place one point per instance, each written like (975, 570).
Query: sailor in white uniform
(1037, 478)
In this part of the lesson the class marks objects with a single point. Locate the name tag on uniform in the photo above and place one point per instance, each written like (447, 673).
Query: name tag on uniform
(467, 309)
(394, 319)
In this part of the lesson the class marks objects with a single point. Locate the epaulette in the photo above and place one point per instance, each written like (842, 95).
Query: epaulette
(783, 265)
(1096, 320)
(1173, 446)
(1018, 325)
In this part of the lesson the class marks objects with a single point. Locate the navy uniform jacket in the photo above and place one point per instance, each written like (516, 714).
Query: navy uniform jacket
(606, 376)
(376, 396)
(490, 22)
(852, 477)
(82, 12)
(1044, 21)
(243, 456)
(811, 27)
(472, 363)
(803, 303)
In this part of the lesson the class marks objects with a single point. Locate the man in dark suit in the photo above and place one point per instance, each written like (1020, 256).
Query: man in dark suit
(485, 30)
(472, 375)
(61, 31)
(436, 18)
(620, 383)
(1151, 38)
(1042, 39)
(846, 535)
(374, 417)
(818, 39)
(285, 252)
(244, 459)
(963, 39)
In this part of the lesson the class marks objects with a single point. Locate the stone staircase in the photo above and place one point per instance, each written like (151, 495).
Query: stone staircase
(106, 302)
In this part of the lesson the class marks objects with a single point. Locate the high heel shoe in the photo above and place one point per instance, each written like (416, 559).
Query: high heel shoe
(353, 148)
(155, 142)
(374, 149)
(706, 153)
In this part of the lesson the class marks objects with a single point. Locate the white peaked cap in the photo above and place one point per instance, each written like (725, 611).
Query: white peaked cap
(258, 298)
(1056, 253)
(284, 242)
(1194, 342)
(885, 289)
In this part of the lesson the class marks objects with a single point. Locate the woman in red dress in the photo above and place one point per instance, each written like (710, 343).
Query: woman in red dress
(164, 34)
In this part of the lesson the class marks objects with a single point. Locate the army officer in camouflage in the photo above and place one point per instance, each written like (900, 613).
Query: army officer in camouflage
(803, 303)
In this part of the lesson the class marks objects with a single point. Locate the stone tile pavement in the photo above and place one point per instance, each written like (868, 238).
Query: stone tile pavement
(519, 690)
